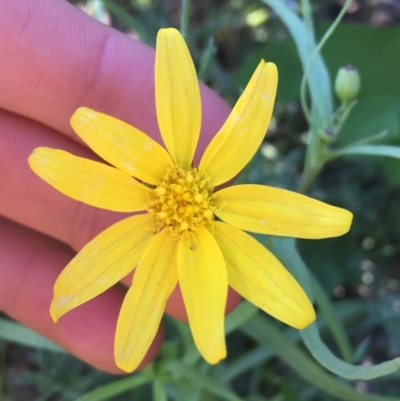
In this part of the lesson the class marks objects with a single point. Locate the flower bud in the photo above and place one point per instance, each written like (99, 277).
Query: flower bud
(347, 83)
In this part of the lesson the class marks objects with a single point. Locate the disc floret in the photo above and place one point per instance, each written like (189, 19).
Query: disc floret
(183, 201)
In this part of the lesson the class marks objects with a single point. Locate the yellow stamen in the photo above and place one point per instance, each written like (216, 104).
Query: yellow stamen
(182, 202)
(178, 189)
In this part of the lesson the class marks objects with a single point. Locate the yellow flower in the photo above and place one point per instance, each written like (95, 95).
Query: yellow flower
(179, 238)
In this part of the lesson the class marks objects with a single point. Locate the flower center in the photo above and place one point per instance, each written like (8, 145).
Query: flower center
(183, 201)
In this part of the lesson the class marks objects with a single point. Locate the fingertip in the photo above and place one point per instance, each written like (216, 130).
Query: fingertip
(88, 332)
(233, 300)
(29, 265)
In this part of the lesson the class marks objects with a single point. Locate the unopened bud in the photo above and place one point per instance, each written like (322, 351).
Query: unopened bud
(347, 83)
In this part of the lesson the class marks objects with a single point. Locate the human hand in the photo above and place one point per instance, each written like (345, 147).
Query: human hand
(54, 60)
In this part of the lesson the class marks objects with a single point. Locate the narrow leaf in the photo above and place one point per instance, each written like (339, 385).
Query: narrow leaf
(334, 323)
(285, 250)
(311, 336)
(239, 316)
(347, 311)
(16, 333)
(127, 19)
(115, 388)
(266, 334)
(370, 150)
(319, 80)
(199, 379)
(331, 362)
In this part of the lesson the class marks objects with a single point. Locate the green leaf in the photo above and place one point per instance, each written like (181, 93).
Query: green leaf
(361, 349)
(246, 361)
(310, 335)
(325, 357)
(319, 80)
(378, 103)
(206, 59)
(127, 19)
(285, 250)
(371, 150)
(117, 387)
(182, 371)
(16, 333)
(159, 391)
(266, 334)
(235, 319)
(334, 323)
(340, 258)
(243, 312)
(347, 311)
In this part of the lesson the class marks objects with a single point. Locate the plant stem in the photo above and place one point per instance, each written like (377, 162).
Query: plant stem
(307, 178)
(316, 147)
(185, 13)
(317, 50)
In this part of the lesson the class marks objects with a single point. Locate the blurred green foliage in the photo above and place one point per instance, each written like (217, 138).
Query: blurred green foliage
(358, 273)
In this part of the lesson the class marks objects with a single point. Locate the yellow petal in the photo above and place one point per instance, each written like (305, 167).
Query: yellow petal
(204, 284)
(241, 135)
(89, 182)
(257, 275)
(144, 304)
(276, 211)
(178, 101)
(104, 261)
(122, 145)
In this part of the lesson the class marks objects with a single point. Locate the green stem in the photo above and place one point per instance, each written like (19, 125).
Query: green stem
(313, 163)
(185, 14)
(342, 115)
(317, 50)
(307, 178)
(316, 147)
(159, 393)
(206, 59)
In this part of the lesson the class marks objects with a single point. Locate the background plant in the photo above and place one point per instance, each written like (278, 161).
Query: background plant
(347, 160)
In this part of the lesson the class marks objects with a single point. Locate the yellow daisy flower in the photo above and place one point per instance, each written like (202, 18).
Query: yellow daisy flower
(179, 239)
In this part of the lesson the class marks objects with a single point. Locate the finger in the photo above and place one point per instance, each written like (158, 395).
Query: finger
(29, 264)
(46, 77)
(28, 200)
(85, 73)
